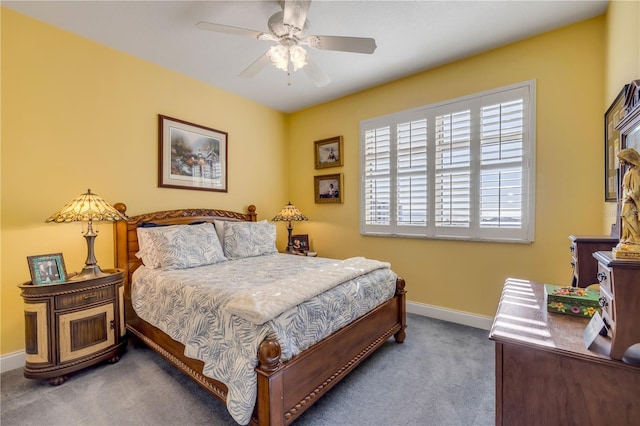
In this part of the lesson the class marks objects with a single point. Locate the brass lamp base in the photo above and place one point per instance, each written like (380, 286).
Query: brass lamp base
(89, 272)
(91, 268)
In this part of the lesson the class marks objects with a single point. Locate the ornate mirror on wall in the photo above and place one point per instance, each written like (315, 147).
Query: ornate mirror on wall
(629, 128)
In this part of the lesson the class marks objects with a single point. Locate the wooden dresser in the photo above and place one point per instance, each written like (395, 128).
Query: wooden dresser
(585, 267)
(544, 373)
(620, 301)
(73, 325)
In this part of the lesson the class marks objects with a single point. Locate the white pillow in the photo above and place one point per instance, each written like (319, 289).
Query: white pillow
(182, 246)
(249, 239)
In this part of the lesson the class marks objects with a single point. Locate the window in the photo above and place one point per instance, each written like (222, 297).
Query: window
(461, 169)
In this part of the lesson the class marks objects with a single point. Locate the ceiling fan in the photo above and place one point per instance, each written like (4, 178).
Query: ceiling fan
(288, 29)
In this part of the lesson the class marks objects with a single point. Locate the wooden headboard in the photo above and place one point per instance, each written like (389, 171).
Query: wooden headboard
(126, 236)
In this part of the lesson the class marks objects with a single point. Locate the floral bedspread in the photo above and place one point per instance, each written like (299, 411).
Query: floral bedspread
(192, 306)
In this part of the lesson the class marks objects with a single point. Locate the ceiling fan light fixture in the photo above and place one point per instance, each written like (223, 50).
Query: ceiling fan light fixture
(281, 56)
(298, 57)
(289, 28)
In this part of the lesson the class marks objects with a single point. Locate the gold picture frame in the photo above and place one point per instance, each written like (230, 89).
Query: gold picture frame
(328, 152)
(328, 188)
(191, 156)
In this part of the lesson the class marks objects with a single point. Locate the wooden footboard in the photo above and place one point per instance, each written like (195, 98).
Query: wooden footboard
(285, 390)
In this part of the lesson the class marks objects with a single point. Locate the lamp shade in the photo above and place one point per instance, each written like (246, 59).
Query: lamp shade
(87, 206)
(288, 213)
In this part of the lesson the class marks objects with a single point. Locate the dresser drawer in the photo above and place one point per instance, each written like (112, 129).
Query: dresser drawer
(606, 304)
(83, 298)
(604, 278)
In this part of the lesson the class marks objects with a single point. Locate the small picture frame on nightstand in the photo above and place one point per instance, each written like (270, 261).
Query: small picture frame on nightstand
(47, 269)
(300, 243)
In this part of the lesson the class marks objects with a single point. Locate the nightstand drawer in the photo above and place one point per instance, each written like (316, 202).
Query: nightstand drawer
(86, 297)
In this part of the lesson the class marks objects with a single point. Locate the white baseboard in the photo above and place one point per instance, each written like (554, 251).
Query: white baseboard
(17, 359)
(459, 317)
(12, 361)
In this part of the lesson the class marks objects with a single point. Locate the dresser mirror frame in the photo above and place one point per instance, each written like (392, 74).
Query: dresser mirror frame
(629, 128)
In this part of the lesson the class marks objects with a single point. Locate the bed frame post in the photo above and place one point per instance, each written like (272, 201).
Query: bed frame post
(402, 309)
(270, 398)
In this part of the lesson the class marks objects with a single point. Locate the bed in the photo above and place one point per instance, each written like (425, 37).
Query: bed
(285, 386)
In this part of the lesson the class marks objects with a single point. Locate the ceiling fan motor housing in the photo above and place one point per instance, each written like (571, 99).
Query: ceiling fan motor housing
(287, 35)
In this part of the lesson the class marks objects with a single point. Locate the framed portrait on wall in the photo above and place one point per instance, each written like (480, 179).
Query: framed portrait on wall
(328, 152)
(328, 188)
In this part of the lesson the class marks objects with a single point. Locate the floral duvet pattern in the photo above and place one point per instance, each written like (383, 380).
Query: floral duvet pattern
(189, 305)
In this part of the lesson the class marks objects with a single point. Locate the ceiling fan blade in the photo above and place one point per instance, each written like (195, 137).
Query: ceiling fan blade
(295, 13)
(256, 66)
(210, 26)
(316, 74)
(343, 44)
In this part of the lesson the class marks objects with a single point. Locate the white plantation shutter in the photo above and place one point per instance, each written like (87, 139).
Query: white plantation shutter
(377, 182)
(501, 142)
(411, 148)
(453, 170)
(461, 169)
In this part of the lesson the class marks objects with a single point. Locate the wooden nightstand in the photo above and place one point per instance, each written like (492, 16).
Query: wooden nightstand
(73, 325)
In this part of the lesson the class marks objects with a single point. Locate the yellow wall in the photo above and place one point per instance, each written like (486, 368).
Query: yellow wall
(568, 65)
(78, 115)
(622, 59)
(66, 99)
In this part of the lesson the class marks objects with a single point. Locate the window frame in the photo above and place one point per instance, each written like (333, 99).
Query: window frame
(474, 232)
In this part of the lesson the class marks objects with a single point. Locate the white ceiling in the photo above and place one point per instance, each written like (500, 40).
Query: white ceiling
(411, 36)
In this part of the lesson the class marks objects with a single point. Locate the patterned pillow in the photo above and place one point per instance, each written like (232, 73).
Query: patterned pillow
(182, 246)
(146, 249)
(249, 239)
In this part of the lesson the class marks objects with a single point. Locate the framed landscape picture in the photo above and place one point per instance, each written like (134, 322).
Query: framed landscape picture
(328, 152)
(191, 156)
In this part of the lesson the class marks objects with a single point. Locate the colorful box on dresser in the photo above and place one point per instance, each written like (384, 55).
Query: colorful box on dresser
(582, 302)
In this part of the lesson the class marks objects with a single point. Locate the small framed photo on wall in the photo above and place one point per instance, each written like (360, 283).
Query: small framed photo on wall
(328, 188)
(328, 152)
(47, 269)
